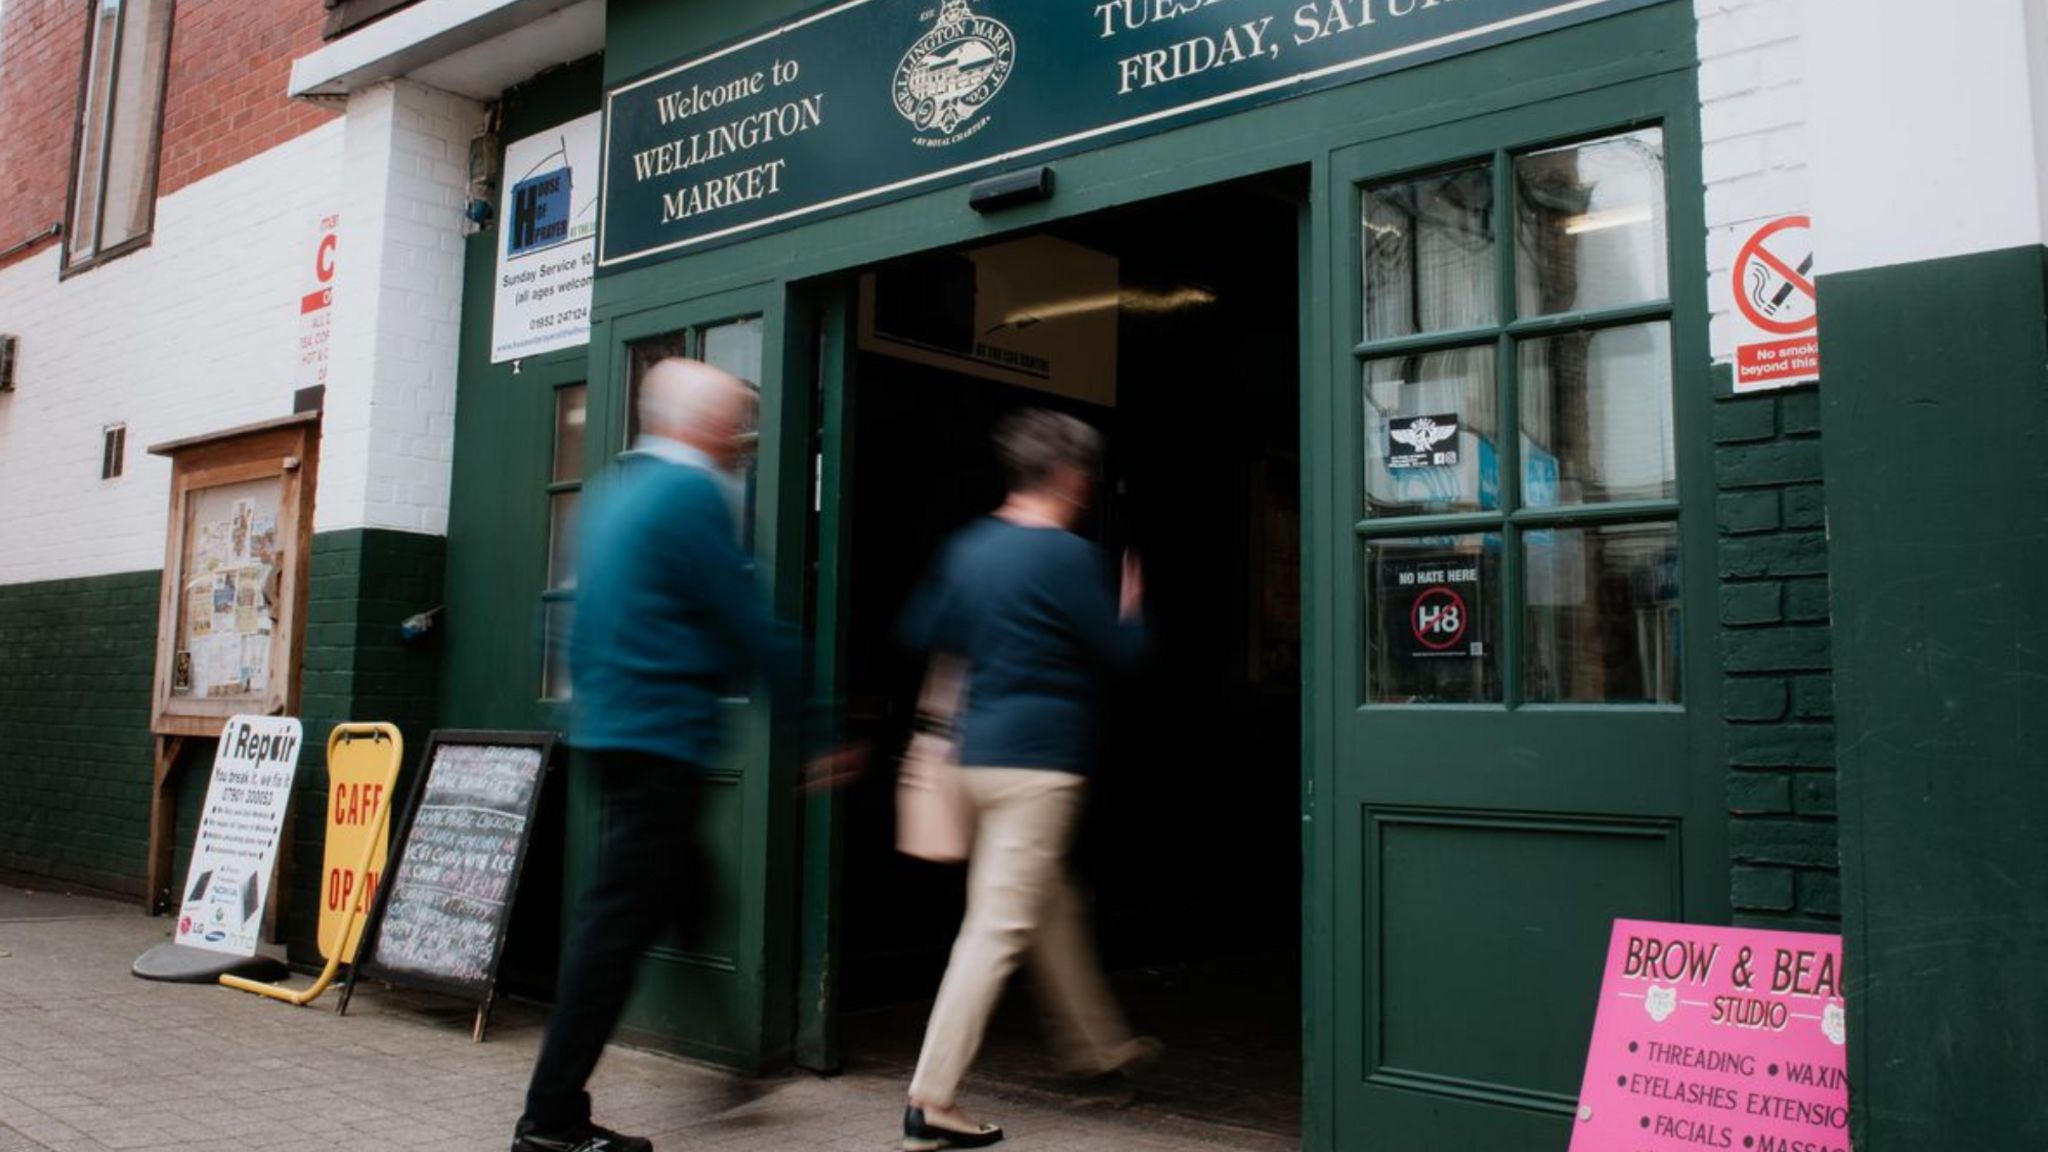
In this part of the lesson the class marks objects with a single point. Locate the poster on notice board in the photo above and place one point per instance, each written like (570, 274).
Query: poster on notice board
(547, 237)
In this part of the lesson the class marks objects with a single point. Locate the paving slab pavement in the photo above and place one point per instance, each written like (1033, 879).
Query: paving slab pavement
(92, 1059)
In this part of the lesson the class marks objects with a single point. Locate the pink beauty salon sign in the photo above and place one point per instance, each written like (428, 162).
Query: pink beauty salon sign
(1716, 1038)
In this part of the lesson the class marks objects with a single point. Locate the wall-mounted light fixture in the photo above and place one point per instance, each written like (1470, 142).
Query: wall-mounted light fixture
(9, 347)
(486, 152)
(1011, 189)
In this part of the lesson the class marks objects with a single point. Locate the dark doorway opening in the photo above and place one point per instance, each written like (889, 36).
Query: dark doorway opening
(1174, 326)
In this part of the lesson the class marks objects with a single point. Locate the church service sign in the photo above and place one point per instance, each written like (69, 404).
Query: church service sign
(871, 100)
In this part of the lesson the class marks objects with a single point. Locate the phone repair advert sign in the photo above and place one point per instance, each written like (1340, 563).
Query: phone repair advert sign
(1777, 313)
(229, 882)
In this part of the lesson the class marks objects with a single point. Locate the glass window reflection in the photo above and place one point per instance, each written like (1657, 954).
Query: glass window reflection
(1602, 615)
(1429, 254)
(1591, 225)
(1597, 417)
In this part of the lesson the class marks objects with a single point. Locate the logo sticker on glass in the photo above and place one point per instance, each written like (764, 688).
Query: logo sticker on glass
(1422, 442)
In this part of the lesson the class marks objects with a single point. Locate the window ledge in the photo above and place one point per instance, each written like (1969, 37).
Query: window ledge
(66, 269)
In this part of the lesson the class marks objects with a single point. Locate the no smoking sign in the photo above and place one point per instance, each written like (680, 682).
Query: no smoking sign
(1777, 307)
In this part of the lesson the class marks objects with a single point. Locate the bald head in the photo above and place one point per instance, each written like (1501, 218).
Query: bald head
(692, 403)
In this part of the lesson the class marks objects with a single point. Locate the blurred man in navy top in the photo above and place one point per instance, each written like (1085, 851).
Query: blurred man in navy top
(668, 621)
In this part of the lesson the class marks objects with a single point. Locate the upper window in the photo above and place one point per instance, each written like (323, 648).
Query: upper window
(734, 346)
(120, 115)
(1521, 479)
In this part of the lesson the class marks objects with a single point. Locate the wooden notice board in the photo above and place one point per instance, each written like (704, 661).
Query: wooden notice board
(231, 613)
(446, 899)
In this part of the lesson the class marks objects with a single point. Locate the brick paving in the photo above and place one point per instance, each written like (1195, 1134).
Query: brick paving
(92, 1059)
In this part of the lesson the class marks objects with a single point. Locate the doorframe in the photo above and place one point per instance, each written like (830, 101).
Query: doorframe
(1319, 719)
(834, 302)
(1658, 40)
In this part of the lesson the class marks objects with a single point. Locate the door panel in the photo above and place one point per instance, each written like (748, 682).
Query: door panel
(1525, 900)
(1523, 687)
(721, 995)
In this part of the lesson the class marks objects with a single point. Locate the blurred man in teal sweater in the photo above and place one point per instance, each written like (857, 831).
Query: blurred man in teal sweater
(668, 620)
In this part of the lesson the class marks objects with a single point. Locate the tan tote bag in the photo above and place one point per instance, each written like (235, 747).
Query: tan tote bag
(933, 821)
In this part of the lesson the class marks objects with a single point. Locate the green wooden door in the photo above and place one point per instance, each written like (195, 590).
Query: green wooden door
(720, 996)
(1520, 605)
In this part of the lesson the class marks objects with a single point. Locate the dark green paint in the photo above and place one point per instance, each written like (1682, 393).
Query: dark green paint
(75, 683)
(1775, 619)
(824, 833)
(77, 660)
(727, 997)
(365, 581)
(824, 116)
(1940, 539)
(1261, 140)
(1490, 832)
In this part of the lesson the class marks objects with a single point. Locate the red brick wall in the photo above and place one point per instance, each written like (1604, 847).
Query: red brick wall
(41, 46)
(230, 63)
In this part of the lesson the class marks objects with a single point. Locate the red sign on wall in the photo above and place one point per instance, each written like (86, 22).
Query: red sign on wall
(316, 305)
(1777, 307)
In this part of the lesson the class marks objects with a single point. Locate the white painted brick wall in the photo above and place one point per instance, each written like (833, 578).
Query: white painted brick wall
(1753, 117)
(389, 436)
(1930, 129)
(196, 333)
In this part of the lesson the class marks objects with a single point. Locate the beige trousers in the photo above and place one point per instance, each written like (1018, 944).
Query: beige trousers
(1021, 901)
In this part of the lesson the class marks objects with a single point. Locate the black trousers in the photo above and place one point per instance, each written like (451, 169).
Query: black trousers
(649, 877)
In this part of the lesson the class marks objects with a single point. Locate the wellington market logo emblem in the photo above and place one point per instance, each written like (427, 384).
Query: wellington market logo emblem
(952, 73)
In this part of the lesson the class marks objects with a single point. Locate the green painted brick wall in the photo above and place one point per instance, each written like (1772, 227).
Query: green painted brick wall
(1778, 698)
(358, 668)
(76, 668)
(77, 658)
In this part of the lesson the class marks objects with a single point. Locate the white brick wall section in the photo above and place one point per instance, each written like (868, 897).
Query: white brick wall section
(1753, 122)
(1930, 129)
(388, 441)
(193, 334)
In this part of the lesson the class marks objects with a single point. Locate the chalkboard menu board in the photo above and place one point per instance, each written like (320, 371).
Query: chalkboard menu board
(447, 895)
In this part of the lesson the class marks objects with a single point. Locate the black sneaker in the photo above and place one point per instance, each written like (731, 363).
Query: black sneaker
(588, 1138)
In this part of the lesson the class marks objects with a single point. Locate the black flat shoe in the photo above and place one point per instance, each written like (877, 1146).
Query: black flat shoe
(921, 1136)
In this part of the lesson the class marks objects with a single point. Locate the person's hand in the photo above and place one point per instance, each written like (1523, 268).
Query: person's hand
(843, 765)
(1132, 600)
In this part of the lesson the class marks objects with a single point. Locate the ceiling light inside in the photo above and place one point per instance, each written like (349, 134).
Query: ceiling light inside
(1602, 221)
(1137, 301)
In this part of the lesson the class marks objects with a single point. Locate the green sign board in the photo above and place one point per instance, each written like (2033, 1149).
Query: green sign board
(870, 100)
